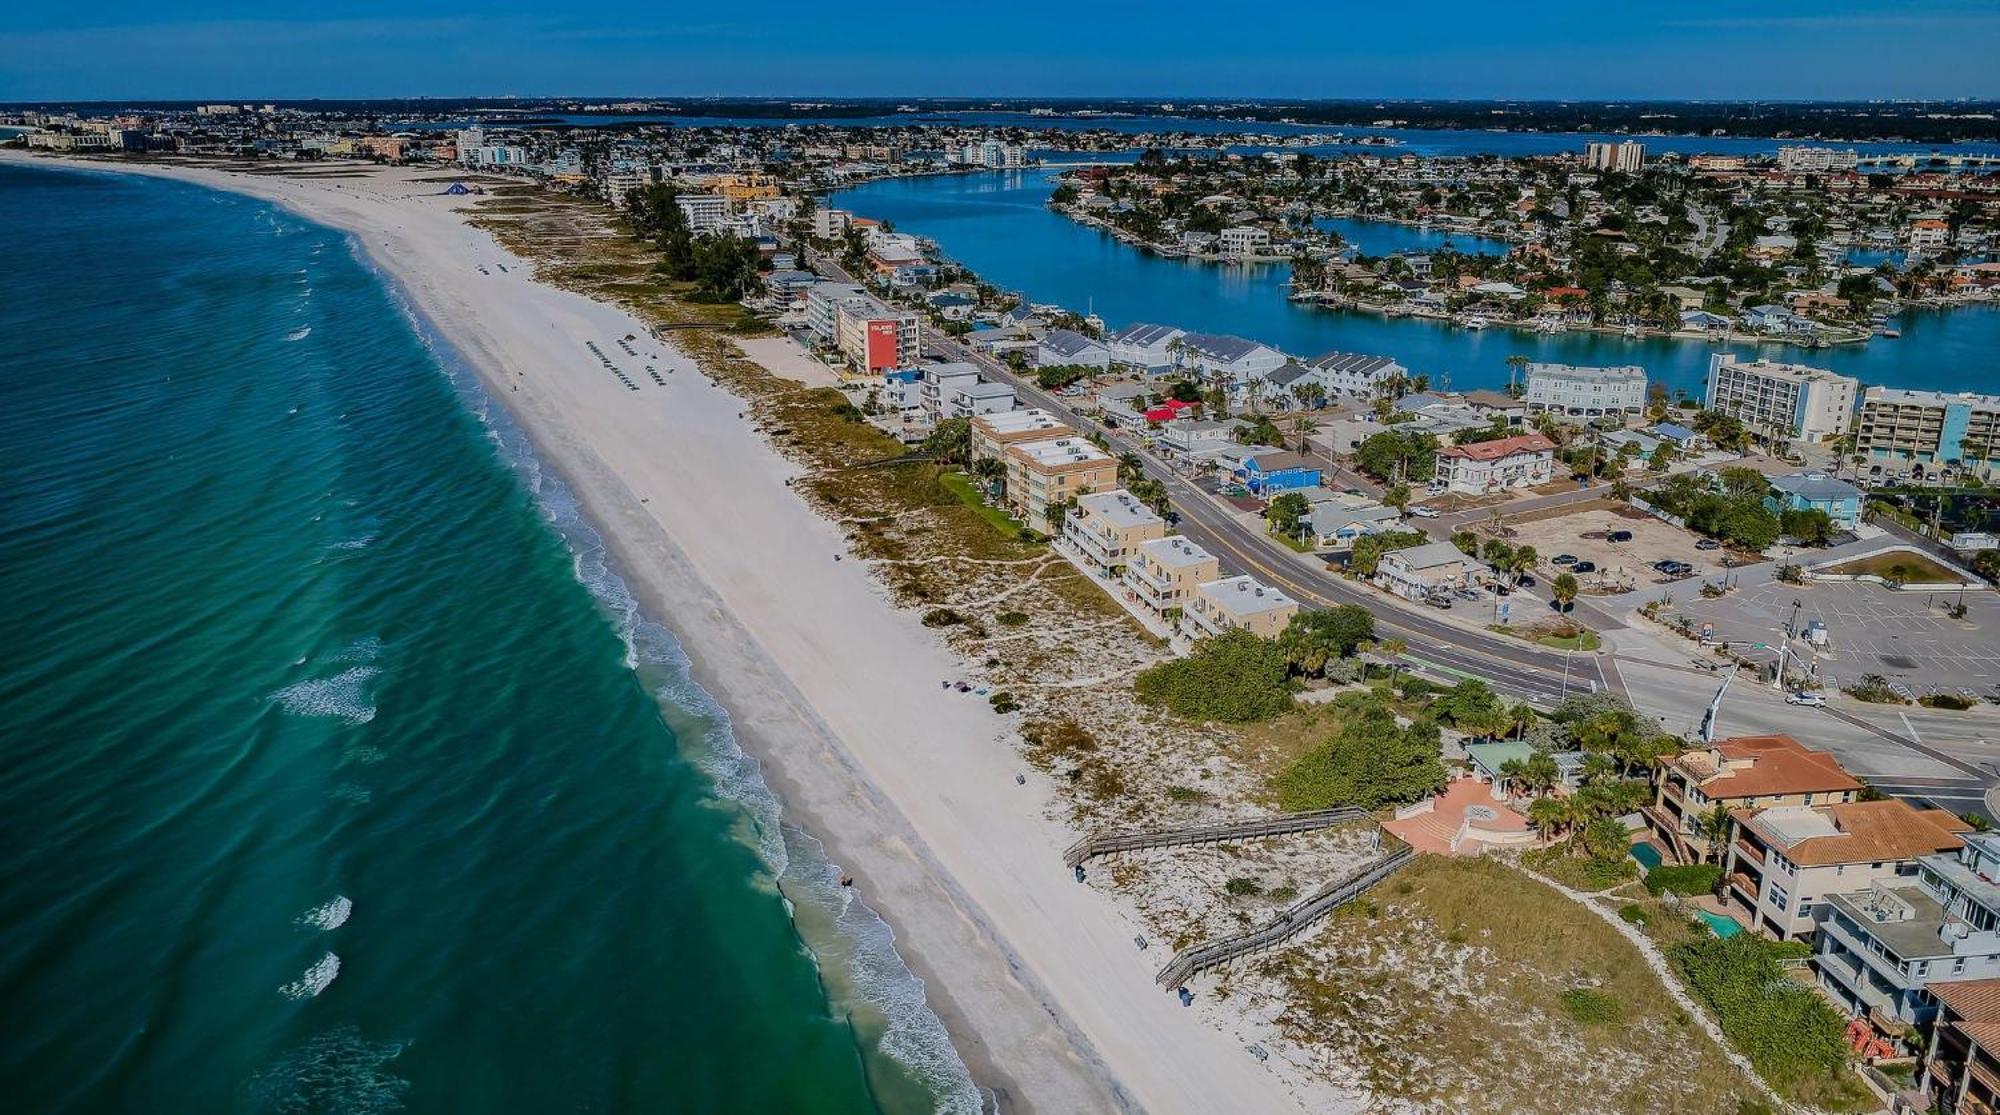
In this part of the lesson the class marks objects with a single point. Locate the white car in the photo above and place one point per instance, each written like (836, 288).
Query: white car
(1810, 700)
(1422, 512)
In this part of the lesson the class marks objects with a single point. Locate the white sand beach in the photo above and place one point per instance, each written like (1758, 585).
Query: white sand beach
(837, 691)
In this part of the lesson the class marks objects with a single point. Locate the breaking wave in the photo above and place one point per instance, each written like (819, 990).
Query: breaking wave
(328, 915)
(338, 1071)
(314, 980)
(344, 696)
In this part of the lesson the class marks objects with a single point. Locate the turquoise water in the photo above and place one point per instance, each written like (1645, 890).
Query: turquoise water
(1647, 855)
(337, 773)
(999, 225)
(1721, 925)
(1380, 238)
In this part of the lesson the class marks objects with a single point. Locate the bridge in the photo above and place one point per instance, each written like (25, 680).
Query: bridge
(1930, 159)
(1295, 920)
(1281, 825)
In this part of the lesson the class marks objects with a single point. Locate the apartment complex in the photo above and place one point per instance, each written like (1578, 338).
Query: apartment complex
(1626, 157)
(1744, 772)
(1053, 471)
(1783, 862)
(1818, 159)
(874, 338)
(1490, 466)
(1165, 573)
(1586, 392)
(1776, 401)
(993, 433)
(1918, 431)
(1887, 952)
(1107, 528)
(1237, 604)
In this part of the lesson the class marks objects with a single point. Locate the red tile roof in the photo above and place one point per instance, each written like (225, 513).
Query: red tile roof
(1974, 1000)
(1777, 764)
(1503, 447)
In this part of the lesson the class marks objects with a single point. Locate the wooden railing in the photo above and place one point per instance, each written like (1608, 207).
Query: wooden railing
(1295, 920)
(1280, 825)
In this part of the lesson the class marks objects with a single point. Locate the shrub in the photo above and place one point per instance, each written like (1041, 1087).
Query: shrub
(1632, 913)
(1186, 793)
(1788, 1031)
(1945, 700)
(1236, 678)
(942, 617)
(1003, 702)
(1874, 688)
(1011, 619)
(1591, 1006)
(1285, 893)
(1242, 887)
(1694, 878)
(1584, 873)
(1369, 762)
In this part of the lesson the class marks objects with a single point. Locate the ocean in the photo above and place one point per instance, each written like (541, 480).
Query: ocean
(338, 772)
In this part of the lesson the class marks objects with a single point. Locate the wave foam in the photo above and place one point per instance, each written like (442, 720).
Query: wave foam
(300, 334)
(336, 1071)
(344, 696)
(315, 979)
(328, 915)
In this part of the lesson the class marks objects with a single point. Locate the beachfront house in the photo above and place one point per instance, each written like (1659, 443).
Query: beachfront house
(1489, 760)
(1422, 571)
(1144, 347)
(1783, 861)
(1816, 491)
(1165, 572)
(1066, 348)
(1235, 361)
(1962, 1067)
(1105, 530)
(993, 433)
(1521, 461)
(1270, 471)
(1743, 772)
(1886, 952)
(1237, 604)
(1194, 440)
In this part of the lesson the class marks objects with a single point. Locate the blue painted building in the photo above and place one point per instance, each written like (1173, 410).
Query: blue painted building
(1922, 432)
(1816, 491)
(1274, 471)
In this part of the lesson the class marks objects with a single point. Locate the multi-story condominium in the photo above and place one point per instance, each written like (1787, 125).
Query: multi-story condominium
(1962, 1067)
(1166, 572)
(822, 306)
(1245, 240)
(1777, 401)
(993, 433)
(1354, 373)
(1106, 529)
(938, 385)
(1587, 392)
(1884, 951)
(1237, 604)
(705, 213)
(830, 224)
(1232, 359)
(1928, 234)
(1783, 861)
(1627, 157)
(1490, 466)
(1818, 158)
(1903, 432)
(1744, 772)
(1053, 471)
(875, 338)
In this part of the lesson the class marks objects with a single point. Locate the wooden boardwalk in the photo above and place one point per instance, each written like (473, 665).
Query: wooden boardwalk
(1281, 825)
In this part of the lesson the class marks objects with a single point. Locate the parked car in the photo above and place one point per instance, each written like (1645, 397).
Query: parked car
(1808, 699)
(1527, 581)
(1563, 559)
(1438, 601)
(1708, 544)
(1619, 536)
(1584, 567)
(1422, 512)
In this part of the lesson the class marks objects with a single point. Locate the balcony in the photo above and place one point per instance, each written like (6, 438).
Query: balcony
(1748, 851)
(1744, 885)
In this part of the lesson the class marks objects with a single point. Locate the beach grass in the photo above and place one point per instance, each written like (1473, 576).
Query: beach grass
(960, 485)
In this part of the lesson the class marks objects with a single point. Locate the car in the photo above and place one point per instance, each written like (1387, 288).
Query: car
(1584, 567)
(1527, 581)
(1802, 697)
(1438, 601)
(1619, 536)
(1422, 512)
(1563, 559)
(1708, 544)
(1664, 564)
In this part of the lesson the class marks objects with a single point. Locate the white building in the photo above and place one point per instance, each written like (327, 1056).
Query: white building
(1245, 240)
(1772, 399)
(1354, 373)
(705, 213)
(1492, 466)
(830, 224)
(1586, 392)
(1626, 157)
(1144, 346)
(822, 307)
(1817, 158)
(1233, 359)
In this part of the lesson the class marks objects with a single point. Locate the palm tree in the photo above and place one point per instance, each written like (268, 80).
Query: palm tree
(1564, 590)
(1713, 826)
(1393, 647)
(1550, 816)
(1515, 364)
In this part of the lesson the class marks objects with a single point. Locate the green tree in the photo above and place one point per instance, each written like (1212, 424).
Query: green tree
(1286, 513)
(1234, 677)
(949, 441)
(1314, 638)
(1369, 762)
(1550, 816)
(1564, 588)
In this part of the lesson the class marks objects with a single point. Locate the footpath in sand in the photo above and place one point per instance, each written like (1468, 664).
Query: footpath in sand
(911, 787)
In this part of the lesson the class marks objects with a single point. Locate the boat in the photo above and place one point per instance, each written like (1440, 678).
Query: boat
(1889, 333)
(1632, 331)
(1474, 322)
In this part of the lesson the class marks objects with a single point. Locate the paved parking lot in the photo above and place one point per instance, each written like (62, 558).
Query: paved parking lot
(1620, 565)
(1907, 637)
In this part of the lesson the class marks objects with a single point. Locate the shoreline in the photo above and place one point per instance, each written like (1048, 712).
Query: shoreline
(909, 787)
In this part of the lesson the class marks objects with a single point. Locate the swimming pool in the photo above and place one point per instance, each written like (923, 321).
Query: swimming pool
(1647, 855)
(1720, 924)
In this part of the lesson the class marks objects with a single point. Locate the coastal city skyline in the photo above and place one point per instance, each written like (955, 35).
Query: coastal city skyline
(915, 561)
(1849, 49)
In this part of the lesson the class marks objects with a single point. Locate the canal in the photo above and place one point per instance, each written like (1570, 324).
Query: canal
(998, 225)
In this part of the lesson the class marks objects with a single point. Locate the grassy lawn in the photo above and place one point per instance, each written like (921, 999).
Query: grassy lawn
(1582, 640)
(1463, 985)
(1896, 565)
(1294, 545)
(961, 485)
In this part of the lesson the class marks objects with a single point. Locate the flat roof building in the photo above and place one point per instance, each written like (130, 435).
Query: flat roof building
(1777, 402)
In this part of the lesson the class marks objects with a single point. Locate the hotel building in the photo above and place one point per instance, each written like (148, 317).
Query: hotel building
(1052, 471)
(993, 433)
(1918, 431)
(1586, 392)
(1775, 401)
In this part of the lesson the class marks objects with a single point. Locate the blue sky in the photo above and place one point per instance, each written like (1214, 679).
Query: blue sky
(128, 49)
